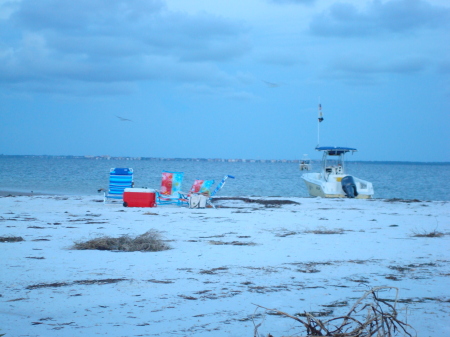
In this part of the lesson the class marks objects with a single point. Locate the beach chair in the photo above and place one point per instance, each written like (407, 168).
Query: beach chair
(198, 187)
(119, 180)
(169, 193)
(217, 189)
(201, 186)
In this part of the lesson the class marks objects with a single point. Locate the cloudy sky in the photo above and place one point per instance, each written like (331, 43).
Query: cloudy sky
(225, 79)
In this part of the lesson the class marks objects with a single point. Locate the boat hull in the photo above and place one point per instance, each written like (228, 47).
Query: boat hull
(332, 188)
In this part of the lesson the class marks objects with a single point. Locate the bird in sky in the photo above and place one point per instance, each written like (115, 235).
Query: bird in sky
(271, 84)
(124, 119)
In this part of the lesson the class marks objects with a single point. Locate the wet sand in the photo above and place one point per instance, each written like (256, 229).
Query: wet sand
(15, 193)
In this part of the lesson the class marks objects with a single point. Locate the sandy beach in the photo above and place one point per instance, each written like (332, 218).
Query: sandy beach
(291, 254)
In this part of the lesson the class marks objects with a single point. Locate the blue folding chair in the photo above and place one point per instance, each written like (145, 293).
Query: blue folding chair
(217, 189)
(119, 180)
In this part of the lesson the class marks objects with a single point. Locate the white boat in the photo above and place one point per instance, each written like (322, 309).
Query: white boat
(305, 163)
(332, 181)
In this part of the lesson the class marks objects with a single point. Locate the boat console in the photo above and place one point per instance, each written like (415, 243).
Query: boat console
(334, 170)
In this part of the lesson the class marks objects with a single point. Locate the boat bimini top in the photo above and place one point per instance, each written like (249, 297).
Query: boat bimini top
(335, 150)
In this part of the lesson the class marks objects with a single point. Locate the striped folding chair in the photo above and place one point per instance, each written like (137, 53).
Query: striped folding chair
(119, 180)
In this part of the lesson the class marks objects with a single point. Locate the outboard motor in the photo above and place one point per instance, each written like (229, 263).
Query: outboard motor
(349, 187)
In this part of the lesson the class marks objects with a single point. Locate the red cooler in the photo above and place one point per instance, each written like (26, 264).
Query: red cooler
(139, 197)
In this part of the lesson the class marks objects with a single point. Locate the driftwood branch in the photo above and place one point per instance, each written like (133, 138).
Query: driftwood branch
(370, 316)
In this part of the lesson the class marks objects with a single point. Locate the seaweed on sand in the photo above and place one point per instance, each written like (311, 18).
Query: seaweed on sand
(425, 234)
(149, 242)
(264, 202)
(11, 239)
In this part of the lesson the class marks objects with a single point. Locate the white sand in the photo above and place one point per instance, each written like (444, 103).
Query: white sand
(198, 288)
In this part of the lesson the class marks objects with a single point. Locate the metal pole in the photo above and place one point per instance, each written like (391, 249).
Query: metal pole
(318, 133)
(319, 120)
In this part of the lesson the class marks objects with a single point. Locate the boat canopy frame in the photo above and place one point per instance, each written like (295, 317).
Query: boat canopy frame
(334, 151)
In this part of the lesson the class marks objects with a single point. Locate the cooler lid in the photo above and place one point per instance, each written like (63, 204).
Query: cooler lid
(140, 190)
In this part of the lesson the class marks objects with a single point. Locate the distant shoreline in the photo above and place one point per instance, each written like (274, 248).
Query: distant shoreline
(218, 160)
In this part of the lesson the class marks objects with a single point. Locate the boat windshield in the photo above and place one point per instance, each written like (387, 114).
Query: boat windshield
(334, 161)
(332, 164)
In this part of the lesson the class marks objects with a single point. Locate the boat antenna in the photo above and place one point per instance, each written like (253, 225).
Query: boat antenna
(320, 120)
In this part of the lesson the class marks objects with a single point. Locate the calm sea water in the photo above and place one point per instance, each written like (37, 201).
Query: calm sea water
(85, 176)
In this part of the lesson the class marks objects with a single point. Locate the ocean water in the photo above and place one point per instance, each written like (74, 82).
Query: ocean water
(74, 176)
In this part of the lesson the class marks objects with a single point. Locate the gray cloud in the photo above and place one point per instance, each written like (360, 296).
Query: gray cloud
(81, 15)
(368, 70)
(444, 67)
(115, 40)
(285, 59)
(397, 16)
(230, 93)
(372, 66)
(301, 2)
(74, 88)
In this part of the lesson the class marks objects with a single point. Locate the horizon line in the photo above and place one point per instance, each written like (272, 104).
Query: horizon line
(230, 160)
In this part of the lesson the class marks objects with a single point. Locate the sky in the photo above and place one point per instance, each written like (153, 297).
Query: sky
(225, 79)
